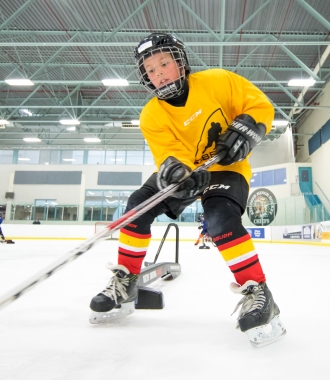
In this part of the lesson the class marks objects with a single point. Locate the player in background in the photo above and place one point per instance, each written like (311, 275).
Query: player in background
(203, 228)
(1, 234)
(190, 118)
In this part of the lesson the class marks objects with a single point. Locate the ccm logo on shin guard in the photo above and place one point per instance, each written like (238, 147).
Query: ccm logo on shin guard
(216, 186)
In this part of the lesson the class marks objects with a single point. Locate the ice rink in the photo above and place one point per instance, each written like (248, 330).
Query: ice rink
(46, 335)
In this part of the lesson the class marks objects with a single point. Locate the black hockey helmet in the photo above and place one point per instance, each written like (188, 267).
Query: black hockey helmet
(161, 43)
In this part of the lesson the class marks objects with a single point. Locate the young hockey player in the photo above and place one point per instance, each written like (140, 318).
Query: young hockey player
(203, 235)
(1, 234)
(191, 118)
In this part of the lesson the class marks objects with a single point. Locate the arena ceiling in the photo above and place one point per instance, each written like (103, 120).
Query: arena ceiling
(67, 47)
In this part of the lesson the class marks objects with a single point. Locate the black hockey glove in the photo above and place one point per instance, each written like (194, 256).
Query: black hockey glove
(172, 171)
(239, 139)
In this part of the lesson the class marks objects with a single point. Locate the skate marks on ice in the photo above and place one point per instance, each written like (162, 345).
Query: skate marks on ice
(46, 334)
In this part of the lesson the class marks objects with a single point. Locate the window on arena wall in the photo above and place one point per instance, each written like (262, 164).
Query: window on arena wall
(105, 205)
(6, 156)
(72, 157)
(269, 178)
(47, 212)
(148, 158)
(120, 157)
(76, 157)
(49, 157)
(96, 157)
(55, 157)
(134, 157)
(110, 157)
(189, 215)
(109, 205)
(21, 212)
(28, 157)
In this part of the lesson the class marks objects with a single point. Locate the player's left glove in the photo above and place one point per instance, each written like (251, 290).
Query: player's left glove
(173, 170)
(239, 139)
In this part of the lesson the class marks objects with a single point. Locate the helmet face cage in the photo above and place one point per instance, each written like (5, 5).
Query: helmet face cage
(155, 45)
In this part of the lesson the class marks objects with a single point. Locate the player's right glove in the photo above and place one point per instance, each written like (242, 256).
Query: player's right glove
(239, 139)
(172, 171)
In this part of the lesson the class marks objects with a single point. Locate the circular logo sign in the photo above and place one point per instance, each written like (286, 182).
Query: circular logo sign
(262, 207)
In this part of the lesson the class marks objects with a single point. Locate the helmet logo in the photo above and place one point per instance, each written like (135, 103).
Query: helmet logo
(144, 46)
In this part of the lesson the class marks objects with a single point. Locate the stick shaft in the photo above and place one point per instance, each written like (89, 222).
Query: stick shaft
(125, 219)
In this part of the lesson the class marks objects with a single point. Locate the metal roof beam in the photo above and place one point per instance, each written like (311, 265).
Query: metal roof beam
(222, 30)
(109, 37)
(53, 57)
(213, 34)
(188, 43)
(298, 61)
(282, 88)
(25, 100)
(248, 19)
(136, 107)
(137, 83)
(246, 34)
(245, 58)
(16, 13)
(116, 66)
(314, 13)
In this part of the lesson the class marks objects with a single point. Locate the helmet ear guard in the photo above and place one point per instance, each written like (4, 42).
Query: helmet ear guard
(162, 43)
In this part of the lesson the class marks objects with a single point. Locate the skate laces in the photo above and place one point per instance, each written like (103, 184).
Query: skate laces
(254, 299)
(117, 288)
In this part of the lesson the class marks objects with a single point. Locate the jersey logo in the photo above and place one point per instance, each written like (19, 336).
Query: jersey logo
(213, 127)
(187, 122)
(213, 135)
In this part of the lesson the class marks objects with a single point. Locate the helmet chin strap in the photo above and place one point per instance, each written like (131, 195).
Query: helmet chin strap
(172, 90)
(180, 99)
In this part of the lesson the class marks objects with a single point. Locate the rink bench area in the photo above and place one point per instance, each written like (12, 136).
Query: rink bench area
(308, 234)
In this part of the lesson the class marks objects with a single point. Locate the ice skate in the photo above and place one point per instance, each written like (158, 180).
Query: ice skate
(118, 298)
(259, 314)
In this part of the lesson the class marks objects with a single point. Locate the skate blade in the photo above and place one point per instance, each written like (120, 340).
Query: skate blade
(121, 312)
(267, 334)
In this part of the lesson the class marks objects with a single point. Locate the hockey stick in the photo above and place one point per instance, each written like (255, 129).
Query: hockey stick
(125, 219)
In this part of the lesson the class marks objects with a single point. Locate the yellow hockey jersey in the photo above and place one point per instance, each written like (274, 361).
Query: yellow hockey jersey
(190, 133)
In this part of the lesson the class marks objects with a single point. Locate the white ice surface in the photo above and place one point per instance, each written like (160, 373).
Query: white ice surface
(45, 334)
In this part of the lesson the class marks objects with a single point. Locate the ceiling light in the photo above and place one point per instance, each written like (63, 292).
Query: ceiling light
(26, 111)
(71, 129)
(69, 122)
(135, 122)
(301, 82)
(68, 159)
(280, 123)
(23, 159)
(92, 139)
(31, 139)
(19, 82)
(4, 122)
(115, 82)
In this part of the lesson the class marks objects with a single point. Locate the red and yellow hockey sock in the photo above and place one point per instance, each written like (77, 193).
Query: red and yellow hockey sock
(132, 249)
(242, 259)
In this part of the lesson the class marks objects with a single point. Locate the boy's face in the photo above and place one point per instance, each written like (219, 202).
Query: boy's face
(162, 69)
